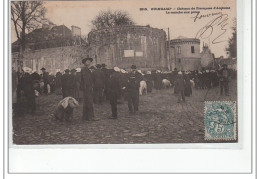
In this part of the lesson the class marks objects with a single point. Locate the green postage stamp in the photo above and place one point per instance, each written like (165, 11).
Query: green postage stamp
(220, 120)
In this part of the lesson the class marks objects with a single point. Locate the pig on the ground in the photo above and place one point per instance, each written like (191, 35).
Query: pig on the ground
(64, 110)
(166, 83)
(142, 88)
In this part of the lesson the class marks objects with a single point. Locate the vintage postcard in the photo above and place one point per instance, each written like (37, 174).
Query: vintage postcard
(124, 72)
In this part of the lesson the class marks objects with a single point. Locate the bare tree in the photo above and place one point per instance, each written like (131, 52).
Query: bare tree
(107, 19)
(27, 16)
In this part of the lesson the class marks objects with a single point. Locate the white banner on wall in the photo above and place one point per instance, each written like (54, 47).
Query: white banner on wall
(139, 54)
(129, 53)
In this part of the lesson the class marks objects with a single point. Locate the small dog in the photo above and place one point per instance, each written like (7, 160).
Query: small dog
(65, 108)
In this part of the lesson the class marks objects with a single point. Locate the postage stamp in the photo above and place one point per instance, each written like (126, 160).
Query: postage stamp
(220, 120)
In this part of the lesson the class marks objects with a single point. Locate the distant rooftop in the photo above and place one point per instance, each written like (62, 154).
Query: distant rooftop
(56, 36)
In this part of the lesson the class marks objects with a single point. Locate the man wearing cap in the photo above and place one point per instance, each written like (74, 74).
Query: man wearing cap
(114, 90)
(65, 83)
(224, 76)
(98, 84)
(45, 79)
(132, 90)
(87, 88)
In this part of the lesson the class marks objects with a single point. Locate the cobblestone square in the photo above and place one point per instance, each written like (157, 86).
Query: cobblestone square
(160, 120)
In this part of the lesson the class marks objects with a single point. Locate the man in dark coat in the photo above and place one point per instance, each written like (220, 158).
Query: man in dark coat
(179, 87)
(105, 71)
(78, 94)
(158, 80)
(72, 83)
(35, 76)
(173, 76)
(98, 84)
(132, 90)
(114, 88)
(65, 84)
(187, 85)
(27, 88)
(58, 82)
(87, 88)
(224, 76)
(45, 79)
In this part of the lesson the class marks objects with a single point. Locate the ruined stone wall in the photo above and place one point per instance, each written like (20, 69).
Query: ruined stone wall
(52, 58)
(127, 45)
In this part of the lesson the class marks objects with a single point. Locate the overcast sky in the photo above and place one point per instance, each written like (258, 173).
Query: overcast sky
(80, 13)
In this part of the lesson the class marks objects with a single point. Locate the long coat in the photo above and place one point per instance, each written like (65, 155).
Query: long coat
(179, 84)
(114, 85)
(86, 80)
(98, 79)
(87, 88)
(58, 80)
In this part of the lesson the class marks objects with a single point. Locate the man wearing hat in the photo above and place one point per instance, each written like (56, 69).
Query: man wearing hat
(87, 88)
(45, 79)
(98, 84)
(224, 76)
(132, 90)
(114, 90)
(65, 83)
(58, 82)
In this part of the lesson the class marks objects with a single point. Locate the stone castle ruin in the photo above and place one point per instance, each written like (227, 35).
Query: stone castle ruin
(126, 45)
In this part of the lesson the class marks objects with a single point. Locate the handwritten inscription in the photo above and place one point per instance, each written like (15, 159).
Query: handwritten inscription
(218, 24)
(201, 16)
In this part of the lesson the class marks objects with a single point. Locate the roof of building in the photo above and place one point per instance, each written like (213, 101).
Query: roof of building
(182, 39)
(45, 37)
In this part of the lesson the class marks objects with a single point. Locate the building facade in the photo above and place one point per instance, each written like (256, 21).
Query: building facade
(185, 54)
(126, 45)
(54, 48)
(51, 58)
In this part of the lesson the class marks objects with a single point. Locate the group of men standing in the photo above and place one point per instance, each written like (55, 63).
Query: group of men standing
(94, 86)
(98, 82)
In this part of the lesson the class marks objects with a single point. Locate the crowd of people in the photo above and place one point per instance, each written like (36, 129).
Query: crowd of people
(98, 84)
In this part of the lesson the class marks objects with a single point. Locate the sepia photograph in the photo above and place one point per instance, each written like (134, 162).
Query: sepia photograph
(123, 72)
